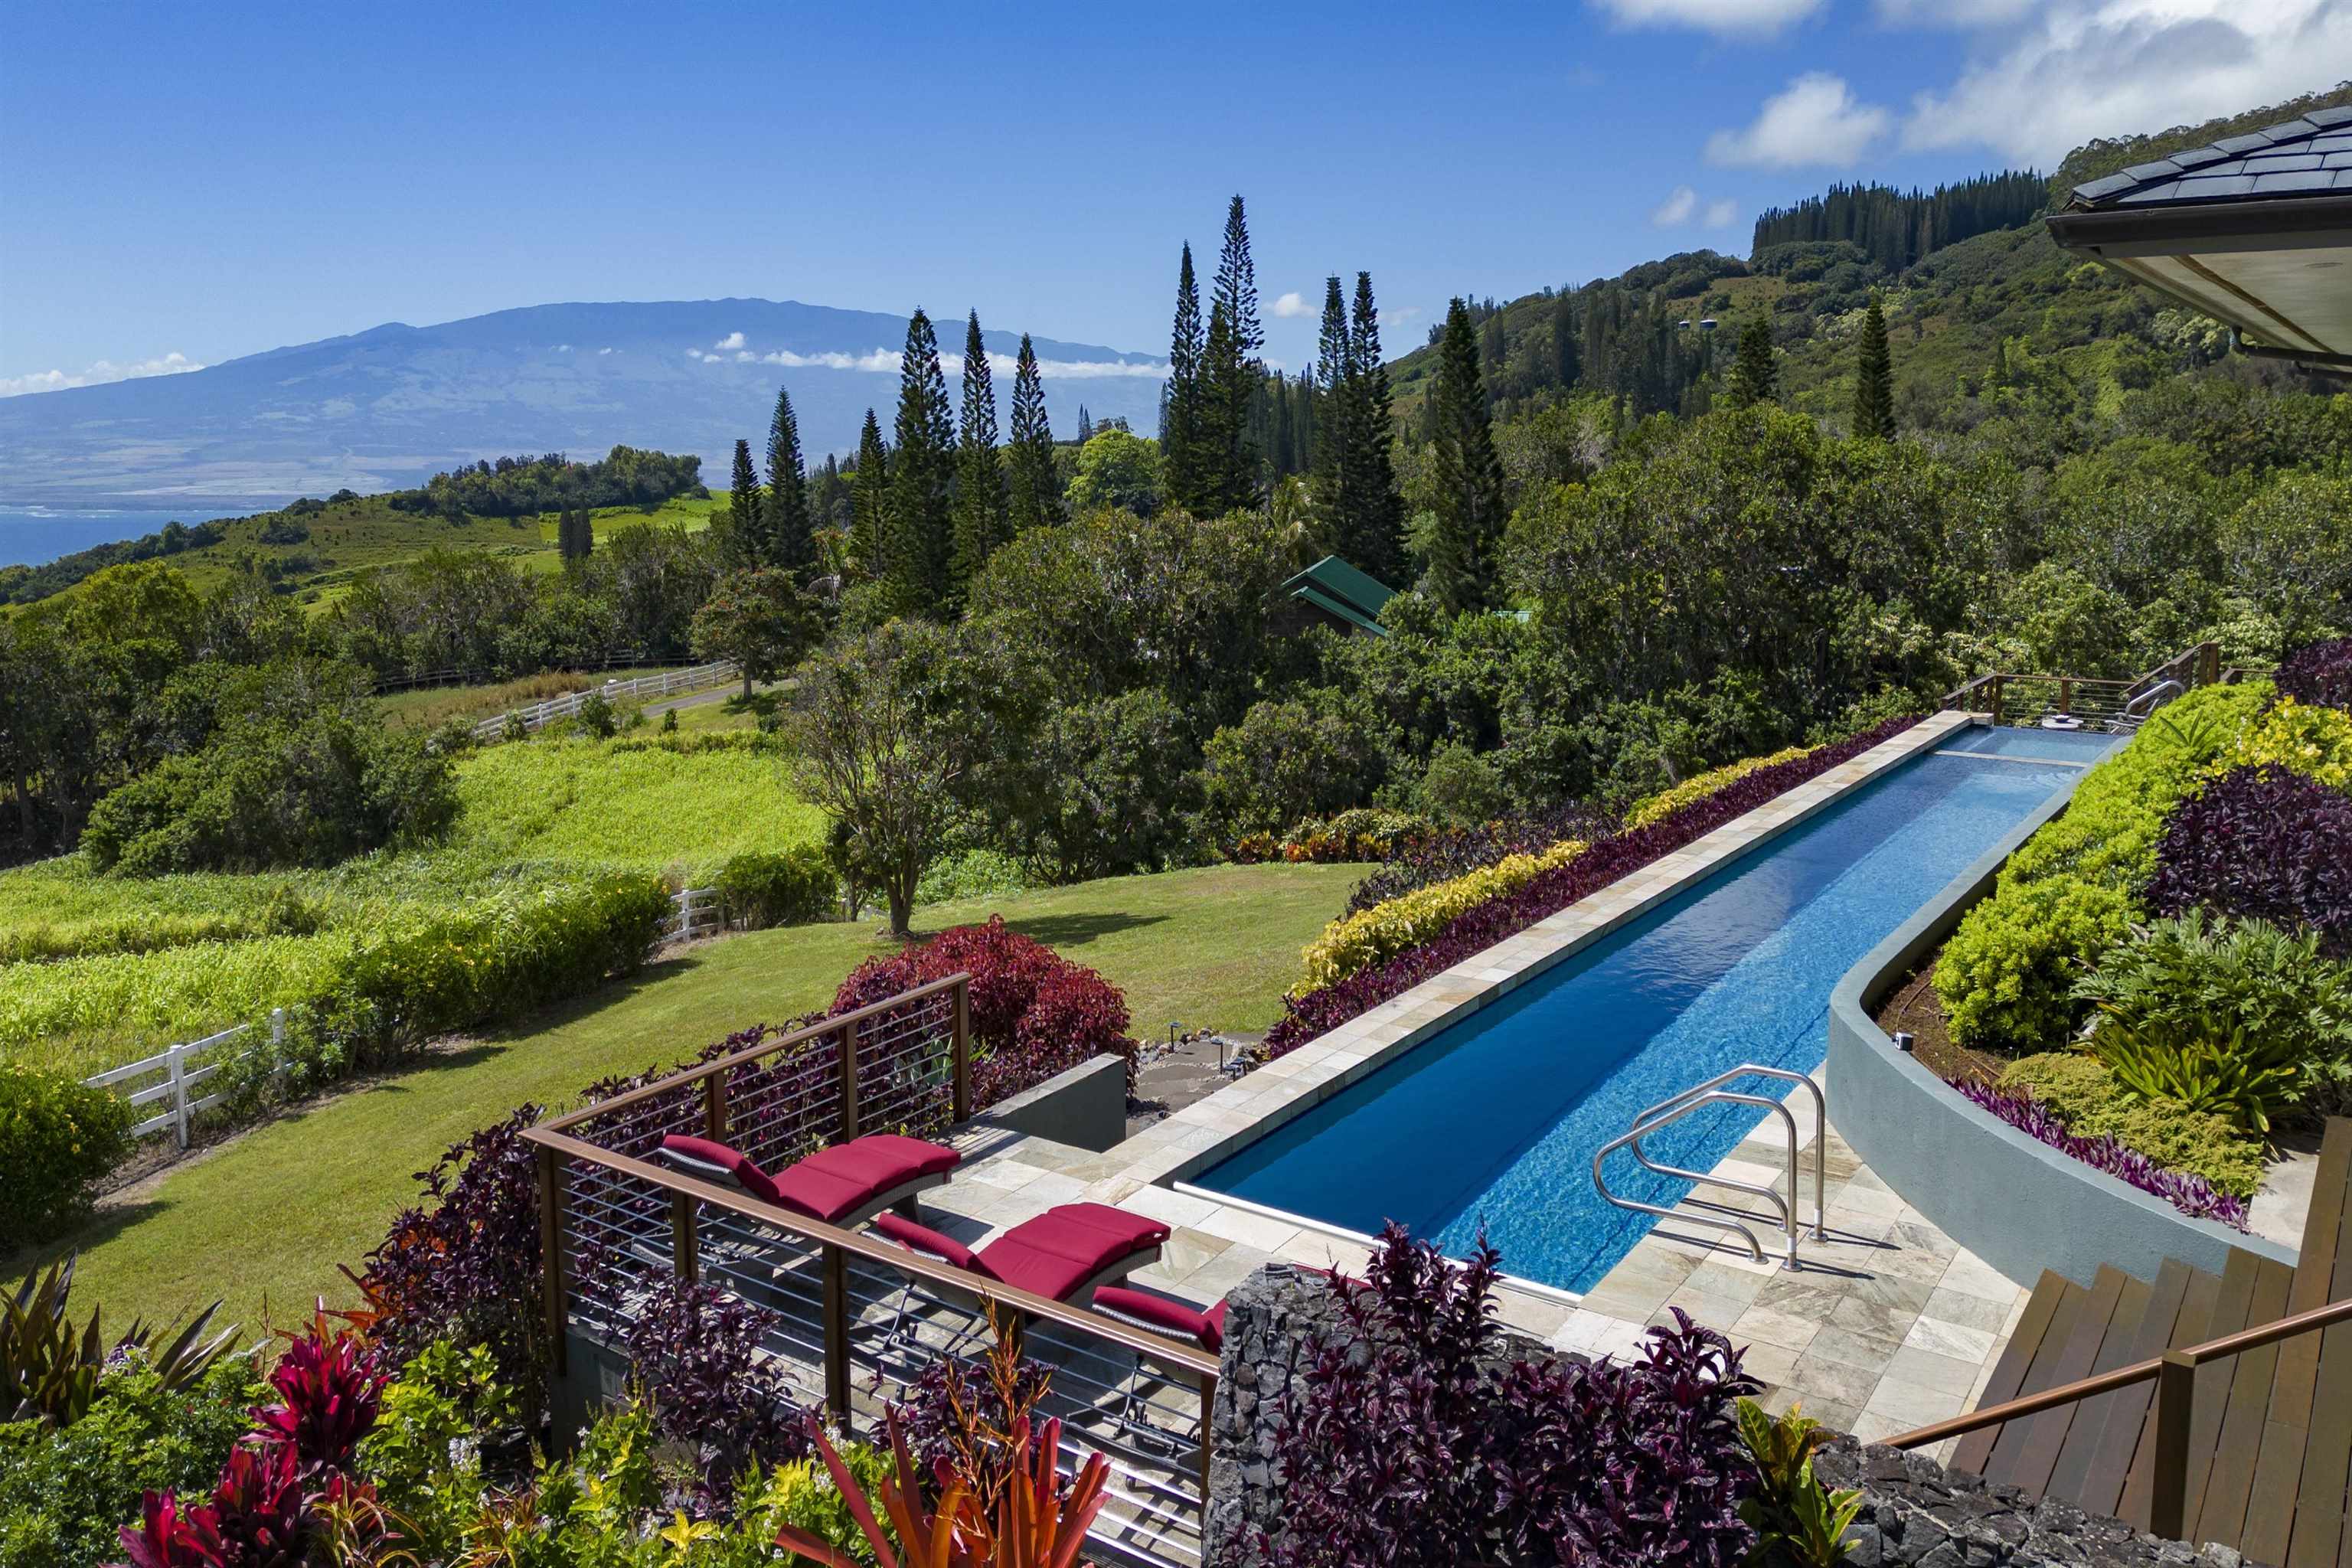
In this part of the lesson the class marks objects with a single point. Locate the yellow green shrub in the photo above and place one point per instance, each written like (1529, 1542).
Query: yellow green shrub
(1701, 785)
(1375, 935)
(2299, 737)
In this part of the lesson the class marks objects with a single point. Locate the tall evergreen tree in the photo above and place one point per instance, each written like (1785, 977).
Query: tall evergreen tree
(1754, 376)
(1231, 376)
(1037, 499)
(1182, 455)
(1873, 378)
(869, 527)
(738, 546)
(1369, 498)
(1335, 374)
(981, 522)
(1467, 473)
(788, 531)
(1566, 359)
(1085, 425)
(922, 479)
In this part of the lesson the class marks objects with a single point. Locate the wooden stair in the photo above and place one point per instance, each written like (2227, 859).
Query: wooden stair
(2270, 1438)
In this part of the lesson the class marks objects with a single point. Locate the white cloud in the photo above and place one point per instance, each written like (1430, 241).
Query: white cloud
(1722, 213)
(1292, 304)
(881, 359)
(711, 359)
(1954, 13)
(603, 351)
(1676, 209)
(98, 373)
(732, 341)
(2115, 67)
(564, 348)
(1815, 119)
(1714, 16)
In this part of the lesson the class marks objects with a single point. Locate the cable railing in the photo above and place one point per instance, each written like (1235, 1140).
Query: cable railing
(851, 1321)
(2089, 703)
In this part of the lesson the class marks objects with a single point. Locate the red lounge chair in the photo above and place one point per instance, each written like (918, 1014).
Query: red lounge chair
(1062, 1254)
(841, 1185)
(1163, 1316)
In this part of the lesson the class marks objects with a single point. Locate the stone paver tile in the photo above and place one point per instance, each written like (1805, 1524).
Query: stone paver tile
(1804, 1295)
(1773, 1327)
(1875, 1319)
(1912, 1402)
(1533, 1316)
(1734, 1282)
(1250, 1229)
(1623, 1340)
(1948, 1305)
(1898, 1292)
(1170, 1205)
(1187, 1250)
(1768, 1364)
(1213, 1279)
(1861, 1351)
(1920, 1236)
(1941, 1372)
(1818, 1379)
(1712, 1311)
(1581, 1327)
(1973, 1275)
(1950, 1340)
(1629, 1303)
(1053, 1187)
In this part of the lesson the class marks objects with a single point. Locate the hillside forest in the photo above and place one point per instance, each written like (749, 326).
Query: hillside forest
(1918, 443)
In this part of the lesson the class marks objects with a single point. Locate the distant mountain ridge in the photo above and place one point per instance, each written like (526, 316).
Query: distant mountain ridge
(389, 407)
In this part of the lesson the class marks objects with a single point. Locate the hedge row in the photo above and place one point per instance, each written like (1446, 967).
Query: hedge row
(1607, 861)
(1375, 935)
(1699, 786)
(2071, 891)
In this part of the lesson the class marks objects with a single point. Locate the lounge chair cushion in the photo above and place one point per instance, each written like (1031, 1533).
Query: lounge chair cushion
(734, 1162)
(835, 1182)
(923, 1238)
(1171, 1318)
(1060, 1249)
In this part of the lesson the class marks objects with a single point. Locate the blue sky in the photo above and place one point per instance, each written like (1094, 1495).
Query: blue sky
(182, 184)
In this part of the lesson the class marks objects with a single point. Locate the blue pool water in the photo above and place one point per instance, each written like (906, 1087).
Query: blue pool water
(1495, 1121)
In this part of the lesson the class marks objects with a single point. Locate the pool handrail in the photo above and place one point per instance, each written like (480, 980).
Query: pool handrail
(1712, 1092)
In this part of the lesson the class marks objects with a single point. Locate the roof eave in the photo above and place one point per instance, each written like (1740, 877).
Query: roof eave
(2298, 223)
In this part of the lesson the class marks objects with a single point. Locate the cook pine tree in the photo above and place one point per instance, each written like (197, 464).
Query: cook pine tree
(1036, 500)
(1467, 491)
(982, 519)
(921, 542)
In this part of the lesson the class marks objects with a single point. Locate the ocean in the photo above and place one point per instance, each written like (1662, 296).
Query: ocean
(32, 535)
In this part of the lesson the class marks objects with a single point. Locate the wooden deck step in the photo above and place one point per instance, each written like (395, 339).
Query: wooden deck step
(2270, 1441)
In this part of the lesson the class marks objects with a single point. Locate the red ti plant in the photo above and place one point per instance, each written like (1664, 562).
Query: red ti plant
(330, 1391)
(1034, 1523)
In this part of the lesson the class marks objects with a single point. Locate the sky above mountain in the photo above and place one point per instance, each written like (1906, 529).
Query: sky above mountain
(183, 185)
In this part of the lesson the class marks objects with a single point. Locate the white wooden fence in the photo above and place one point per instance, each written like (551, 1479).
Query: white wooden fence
(696, 914)
(669, 683)
(183, 1076)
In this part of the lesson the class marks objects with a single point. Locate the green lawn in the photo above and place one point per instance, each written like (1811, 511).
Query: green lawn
(268, 1218)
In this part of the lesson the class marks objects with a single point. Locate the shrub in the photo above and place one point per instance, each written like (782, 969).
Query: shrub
(1034, 1012)
(2084, 1096)
(453, 1267)
(596, 717)
(1423, 858)
(57, 1138)
(426, 1452)
(2007, 974)
(1548, 892)
(2319, 673)
(789, 887)
(1360, 833)
(1461, 787)
(1645, 811)
(2265, 843)
(694, 1352)
(1375, 935)
(1417, 1439)
(802, 1494)
(2192, 1195)
(51, 1371)
(2313, 742)
(952, 1404)
(1798, 1522)
(2185, 985)
(2230, 1073)
(276, 794)
(64, 1490)
(1283, 761)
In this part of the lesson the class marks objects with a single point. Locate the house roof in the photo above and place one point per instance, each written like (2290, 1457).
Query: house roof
(2254, 231)
(1334, 587)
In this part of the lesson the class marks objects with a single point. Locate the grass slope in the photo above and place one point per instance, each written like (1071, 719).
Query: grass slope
(266, 1219)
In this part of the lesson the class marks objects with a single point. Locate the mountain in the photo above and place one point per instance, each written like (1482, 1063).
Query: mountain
(390, 406)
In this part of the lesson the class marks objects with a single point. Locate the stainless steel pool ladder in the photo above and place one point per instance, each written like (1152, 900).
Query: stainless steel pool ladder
(2138, 710)
(1712, 1092)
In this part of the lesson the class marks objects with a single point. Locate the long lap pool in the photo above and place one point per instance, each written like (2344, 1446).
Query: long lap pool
(1494, 1122)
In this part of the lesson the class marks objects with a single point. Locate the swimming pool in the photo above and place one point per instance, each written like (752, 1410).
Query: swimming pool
(1494, 1122)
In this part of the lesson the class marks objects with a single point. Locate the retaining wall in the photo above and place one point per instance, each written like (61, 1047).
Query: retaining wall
(2013, 1201)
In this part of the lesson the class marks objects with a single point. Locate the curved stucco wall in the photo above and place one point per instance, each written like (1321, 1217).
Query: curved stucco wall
(2013, 1200)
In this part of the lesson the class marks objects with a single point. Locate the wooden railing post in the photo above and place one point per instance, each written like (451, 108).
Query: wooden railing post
(551, 1250)
(1208, 1443)
(2209, 663)
(2176, 1383)
(1997, 681)
(960, 1051)
(684, 1254)
(2066, 694)
(714, 1107)
(849, 1080)
(837, 1331)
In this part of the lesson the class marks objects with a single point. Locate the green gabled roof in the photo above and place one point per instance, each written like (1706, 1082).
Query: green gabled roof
(1334, 586)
